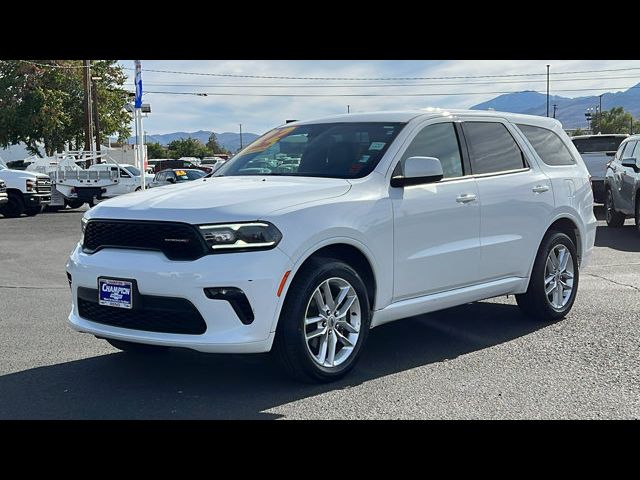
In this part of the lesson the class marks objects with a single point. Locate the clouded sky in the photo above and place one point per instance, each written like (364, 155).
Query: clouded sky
(171, 113)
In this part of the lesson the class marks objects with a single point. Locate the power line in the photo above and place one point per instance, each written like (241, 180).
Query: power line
(256, 85)
(221, 94)
(460, 77)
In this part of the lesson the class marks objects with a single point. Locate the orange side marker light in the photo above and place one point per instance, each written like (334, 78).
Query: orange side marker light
(283, 281)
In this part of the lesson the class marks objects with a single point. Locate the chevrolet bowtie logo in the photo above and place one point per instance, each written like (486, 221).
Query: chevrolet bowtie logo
(177, 240)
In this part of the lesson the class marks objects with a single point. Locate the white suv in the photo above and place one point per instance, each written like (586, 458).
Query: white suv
(321, 230)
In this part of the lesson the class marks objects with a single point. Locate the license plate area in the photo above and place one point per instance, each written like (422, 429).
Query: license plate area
(115, 292)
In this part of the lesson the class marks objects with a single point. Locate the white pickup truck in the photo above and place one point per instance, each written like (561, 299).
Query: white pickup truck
(27, 192)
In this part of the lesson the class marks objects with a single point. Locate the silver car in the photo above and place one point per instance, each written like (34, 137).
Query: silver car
(175, 175)
(622, 184)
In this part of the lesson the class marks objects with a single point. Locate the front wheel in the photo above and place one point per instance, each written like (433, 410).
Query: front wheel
(611, 215)
(139, 348)
(33, 211)
(14, 207)
(324, 322)
(554, 279)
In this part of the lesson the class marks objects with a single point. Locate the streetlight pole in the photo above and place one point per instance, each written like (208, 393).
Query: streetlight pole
(600, 103)
(240, 136)
(548, 89)
(555, 107)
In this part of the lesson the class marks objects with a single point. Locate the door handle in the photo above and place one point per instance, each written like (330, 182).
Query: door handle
(466, 198)
(541, 188)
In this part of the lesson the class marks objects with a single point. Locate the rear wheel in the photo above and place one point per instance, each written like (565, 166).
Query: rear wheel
(554, 279)
(324, 322)
(33, 211)
(131, 347)
(15, 206)
(73, 203)
(638, 213)
(611, 215)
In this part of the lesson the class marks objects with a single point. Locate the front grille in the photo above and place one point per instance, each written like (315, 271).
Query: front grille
(43, 186)
(178, 241)
(150, 313)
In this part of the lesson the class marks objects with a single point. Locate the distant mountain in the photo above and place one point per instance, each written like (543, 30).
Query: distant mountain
(570, 111)
(228, 140)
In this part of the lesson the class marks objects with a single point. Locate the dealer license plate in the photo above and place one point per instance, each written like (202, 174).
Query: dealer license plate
(115, 293)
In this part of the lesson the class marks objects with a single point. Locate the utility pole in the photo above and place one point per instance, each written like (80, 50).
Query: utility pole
(86, 75)
(240, 136)
(555, 107)
(600, 103)
(96, 118)
(548, 89)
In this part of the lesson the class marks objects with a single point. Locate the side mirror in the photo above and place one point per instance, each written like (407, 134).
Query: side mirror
(171, 180)
(631, 162)
(418, 171)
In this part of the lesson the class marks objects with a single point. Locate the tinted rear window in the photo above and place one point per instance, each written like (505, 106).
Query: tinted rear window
(492, 148)
(549, 147)
(597, 144)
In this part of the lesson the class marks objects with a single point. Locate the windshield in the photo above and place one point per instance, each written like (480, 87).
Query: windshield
(598, 144)
(133, 171)
(332, 150)
(186, 175)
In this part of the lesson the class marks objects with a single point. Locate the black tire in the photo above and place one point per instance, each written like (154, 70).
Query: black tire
(290, 344)
(14, 207)
(612, 216)
(140, 348)
(91, 203)
(535, 303)
(637, 216)
(33, 211)
(73, 203)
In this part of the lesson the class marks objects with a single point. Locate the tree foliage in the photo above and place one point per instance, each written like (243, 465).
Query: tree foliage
(214, 147)
(155, 150)
(42, 104)
(579, 131)
(188, 147)
(616, 120)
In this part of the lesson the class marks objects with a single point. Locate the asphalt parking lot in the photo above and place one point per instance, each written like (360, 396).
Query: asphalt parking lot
(478, 361)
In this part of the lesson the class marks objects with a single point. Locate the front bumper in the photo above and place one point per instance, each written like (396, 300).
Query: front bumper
(35, 199)
(257, 274)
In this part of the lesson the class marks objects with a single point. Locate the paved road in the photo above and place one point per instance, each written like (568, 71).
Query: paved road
(481, 360)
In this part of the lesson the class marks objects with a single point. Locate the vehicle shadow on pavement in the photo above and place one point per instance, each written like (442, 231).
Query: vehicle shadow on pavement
(187, 385)
(626, 238)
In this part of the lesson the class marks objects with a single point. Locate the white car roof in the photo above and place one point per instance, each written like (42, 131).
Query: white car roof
(407, 115)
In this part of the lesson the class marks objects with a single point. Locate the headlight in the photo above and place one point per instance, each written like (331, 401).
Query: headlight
(241, 236)
(30, 185)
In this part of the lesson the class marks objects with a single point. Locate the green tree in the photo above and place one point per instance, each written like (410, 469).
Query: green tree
(41, 101)
(616, 120)
(155, 150)
(187, 147)
(213, 145)
(578, 131)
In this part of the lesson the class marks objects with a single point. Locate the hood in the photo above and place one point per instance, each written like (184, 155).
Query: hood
(6, 173)
(220, 199)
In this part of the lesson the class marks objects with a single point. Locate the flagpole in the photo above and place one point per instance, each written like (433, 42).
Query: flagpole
(138, 118)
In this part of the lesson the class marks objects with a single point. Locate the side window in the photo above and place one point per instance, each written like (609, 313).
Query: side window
(548, 145)
(161, 177)
(492, 148)
(628, 150)
(636, 151)
(439, 141)
(123, 173)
